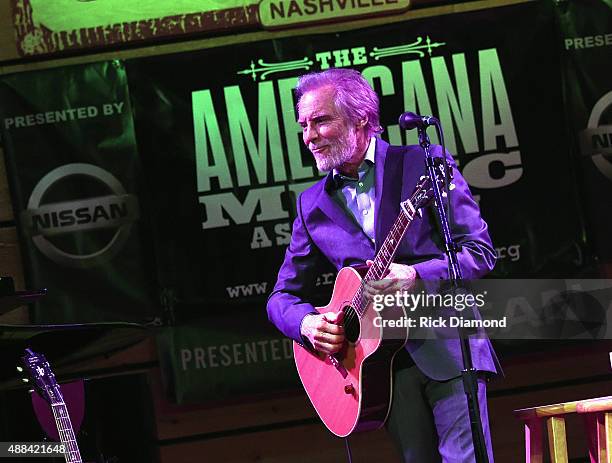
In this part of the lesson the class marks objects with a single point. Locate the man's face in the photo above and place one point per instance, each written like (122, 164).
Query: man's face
(327, 134)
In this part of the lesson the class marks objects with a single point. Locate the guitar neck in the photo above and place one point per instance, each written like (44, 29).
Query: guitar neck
(66, 433)
(385, 254)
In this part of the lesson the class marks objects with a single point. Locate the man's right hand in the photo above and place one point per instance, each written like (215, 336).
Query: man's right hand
(324, 331)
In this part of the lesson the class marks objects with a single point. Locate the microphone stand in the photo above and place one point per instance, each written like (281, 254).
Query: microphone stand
(469, 373)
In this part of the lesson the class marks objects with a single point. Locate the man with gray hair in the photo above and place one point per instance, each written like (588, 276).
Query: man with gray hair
(343, 219)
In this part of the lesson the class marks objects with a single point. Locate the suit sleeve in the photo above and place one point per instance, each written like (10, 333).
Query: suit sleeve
(477, 255)
(287, 304)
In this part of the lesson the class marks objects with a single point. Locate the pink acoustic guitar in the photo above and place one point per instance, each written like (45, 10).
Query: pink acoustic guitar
(351, 390)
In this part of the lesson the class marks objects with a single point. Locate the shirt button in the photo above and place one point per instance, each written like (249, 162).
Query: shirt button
(365, 212)
(360, 183)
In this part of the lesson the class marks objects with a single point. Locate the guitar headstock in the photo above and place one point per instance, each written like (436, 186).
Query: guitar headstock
(42, 377)
(423, 193)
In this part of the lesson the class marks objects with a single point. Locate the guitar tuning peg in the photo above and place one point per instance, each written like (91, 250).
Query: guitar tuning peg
(25, 380)
(420, 213)
(444, 195)
(19, 369)
(451, 187)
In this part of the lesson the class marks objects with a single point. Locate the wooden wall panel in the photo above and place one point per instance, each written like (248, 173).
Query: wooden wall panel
(11, 265)
(553, 369)
(10, 256)
(18, 316)
(137, 358)
(558, 365)
(8, 48)
(301, 444)
(176, 421)
(6, 207)
(314, 444)
(286, 429)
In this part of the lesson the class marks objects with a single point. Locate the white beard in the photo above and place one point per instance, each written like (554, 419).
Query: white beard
(339, 153)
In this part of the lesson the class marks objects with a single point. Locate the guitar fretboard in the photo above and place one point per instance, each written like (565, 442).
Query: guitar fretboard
(66, 433)
(385, 254)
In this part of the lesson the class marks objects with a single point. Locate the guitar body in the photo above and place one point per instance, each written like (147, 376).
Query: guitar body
(351, 391)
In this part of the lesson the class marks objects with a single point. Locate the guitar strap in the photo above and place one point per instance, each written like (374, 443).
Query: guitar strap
(391, 194)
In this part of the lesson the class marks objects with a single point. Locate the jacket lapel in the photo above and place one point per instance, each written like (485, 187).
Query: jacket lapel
(388, 186)
(389, 173)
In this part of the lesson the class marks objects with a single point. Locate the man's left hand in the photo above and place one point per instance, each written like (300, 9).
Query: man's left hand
(399, 277)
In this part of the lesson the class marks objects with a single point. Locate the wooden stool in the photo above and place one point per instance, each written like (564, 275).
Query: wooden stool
(598, 423)
(554, 415)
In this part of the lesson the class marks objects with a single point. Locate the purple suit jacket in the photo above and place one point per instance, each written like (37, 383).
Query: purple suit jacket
(322, 232)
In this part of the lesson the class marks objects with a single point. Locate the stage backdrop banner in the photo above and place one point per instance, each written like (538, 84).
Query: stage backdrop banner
(224, 158)
(218, 359)
(225, 161)
(73, 167)
(586, 48)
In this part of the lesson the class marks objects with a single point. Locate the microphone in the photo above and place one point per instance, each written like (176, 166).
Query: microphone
(408, 121)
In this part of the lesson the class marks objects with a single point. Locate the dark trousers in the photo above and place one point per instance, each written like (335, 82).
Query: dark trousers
(429, 420)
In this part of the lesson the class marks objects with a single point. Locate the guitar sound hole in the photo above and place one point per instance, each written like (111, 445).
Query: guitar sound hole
(351, 324)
